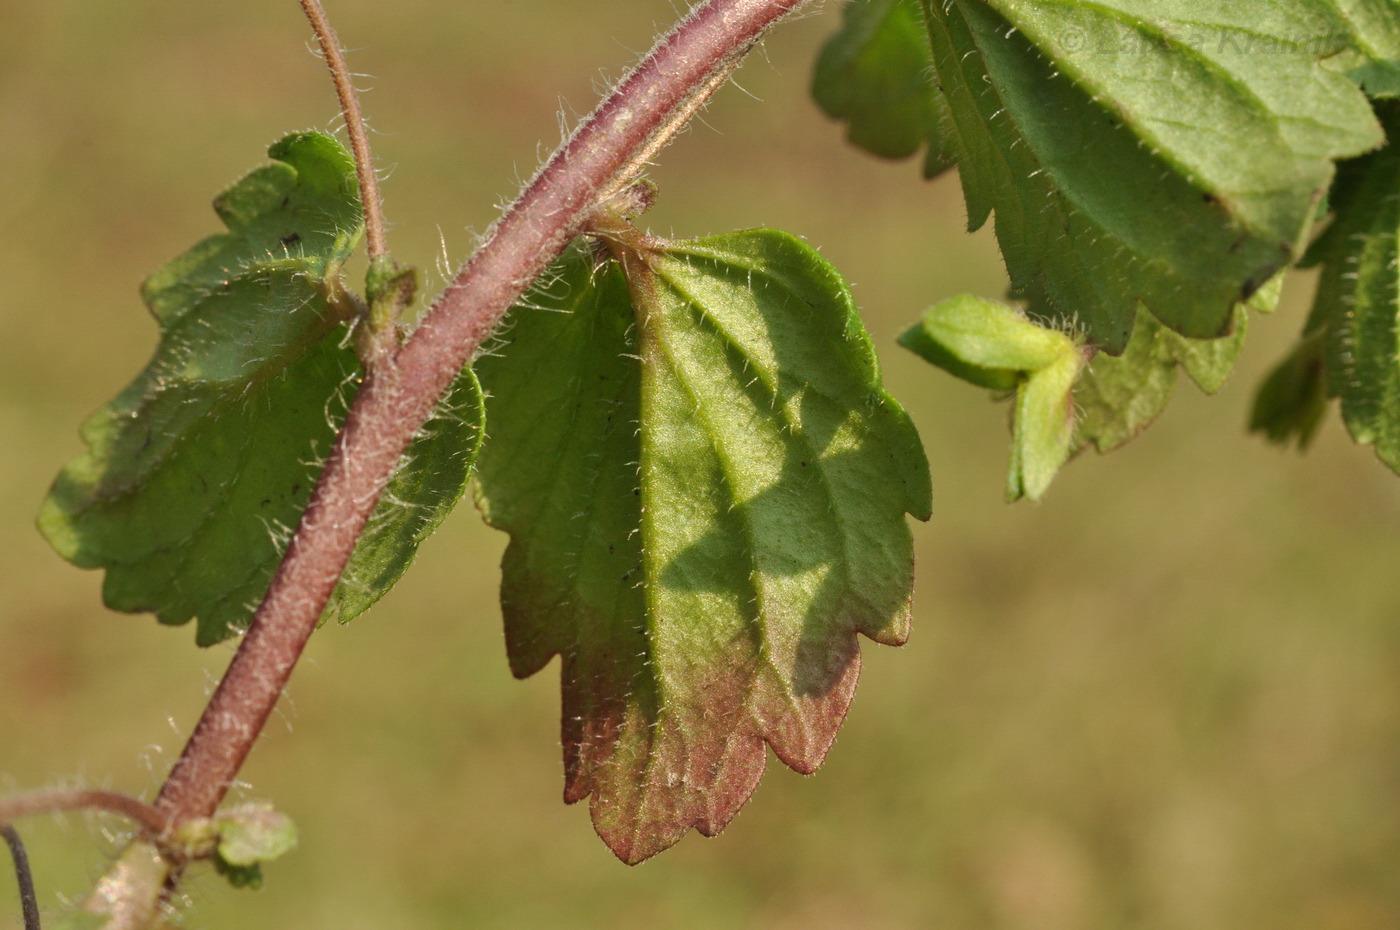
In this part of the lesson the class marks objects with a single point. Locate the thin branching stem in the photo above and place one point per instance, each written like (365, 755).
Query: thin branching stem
(28, 900)
(643, 111)
(375, 240)
(60, 800)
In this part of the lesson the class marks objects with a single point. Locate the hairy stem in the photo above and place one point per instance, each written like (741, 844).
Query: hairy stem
(60, 800)
(375, 241)
(28, 900)
(642, 112)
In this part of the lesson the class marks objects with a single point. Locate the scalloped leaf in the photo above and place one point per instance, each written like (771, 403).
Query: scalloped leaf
(1142, 152)
(196, 474)
(705, 486)
(1118, 397)
(1351, 342)
(876, 74)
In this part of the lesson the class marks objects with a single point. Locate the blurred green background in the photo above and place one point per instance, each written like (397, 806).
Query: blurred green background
(1168, 697)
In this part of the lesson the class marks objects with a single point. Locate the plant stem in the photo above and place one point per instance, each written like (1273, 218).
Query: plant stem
(375, 241)
(28, 900)
(644, 111)
(59, 800)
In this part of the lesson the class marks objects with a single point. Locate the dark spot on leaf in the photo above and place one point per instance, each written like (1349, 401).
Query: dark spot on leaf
(291, 240)
(1248, 288)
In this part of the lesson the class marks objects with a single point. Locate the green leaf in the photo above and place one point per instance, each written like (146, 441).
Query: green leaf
(238, 840)
(1114, 397)
(1043, 427)
(1119, 396)
(705, 487)
(240, 876)
(196, 474)
(992, 345)
(1292, 400)
(1353, 324)
(1266, 299)
(877, 75)
(250, 834)
(1141, 152)
(984, 342)
(1357, 295)
(430, 480)
(1374, 59)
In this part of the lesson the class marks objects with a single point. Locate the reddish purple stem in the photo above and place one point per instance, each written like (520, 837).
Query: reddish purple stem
(394, 401)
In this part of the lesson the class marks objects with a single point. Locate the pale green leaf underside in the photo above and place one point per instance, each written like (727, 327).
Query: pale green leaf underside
(705, 487)
(992, 345)
(196, 474)
(251, 834)
(1113, 398)
(1374, 60)
(1136, 154)
(876, 74)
